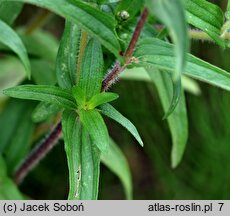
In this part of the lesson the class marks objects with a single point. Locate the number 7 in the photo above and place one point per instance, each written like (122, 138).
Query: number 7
(221, 205)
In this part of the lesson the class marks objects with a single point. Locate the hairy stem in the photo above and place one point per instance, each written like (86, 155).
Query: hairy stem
(109, 79)
(38, 153)
(117, 69)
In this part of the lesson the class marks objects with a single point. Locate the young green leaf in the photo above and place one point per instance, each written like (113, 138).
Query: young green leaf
(49, 94)
(9, 11)
(99, 24)
(95, 126)
(72, 137)
(40, 44)
(160, 54)
(101, 98)
(115, 160)
(90, 167)
(172, 14)
(206, 16)
(9, 38)
(44, 110)
(91, 71)
(112, 113)
(79, 96)
(178, 123)
(67, 56)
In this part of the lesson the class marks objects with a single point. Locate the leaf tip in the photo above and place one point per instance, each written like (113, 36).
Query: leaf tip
(170, 110)
(177, 155)
(29, 75)
(174, 165)
(175, 161)
(27, 69)
(141, 142)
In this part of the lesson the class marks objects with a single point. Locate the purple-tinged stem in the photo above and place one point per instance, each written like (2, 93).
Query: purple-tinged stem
(117, 69)
(137, 33)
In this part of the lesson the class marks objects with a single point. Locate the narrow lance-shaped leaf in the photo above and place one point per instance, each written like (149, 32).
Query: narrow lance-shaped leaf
(206, 16)
(96, 100)
(160, 54)
(41, 44)
(94, 21)
(67, 56)
(9, 11)
(95, 126)
(115, 160)
(112, 113)
(178, 123)
(49, 94)
(101, 98)
(83, 158)
(9, 38)
(171, 13)
(90, 156)
(91, 71)
(72, 137)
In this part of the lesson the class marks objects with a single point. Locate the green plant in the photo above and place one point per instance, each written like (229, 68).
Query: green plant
(96, 34)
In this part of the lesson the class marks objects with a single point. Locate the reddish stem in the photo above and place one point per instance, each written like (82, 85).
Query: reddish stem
(117, 69)
(136, 34)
